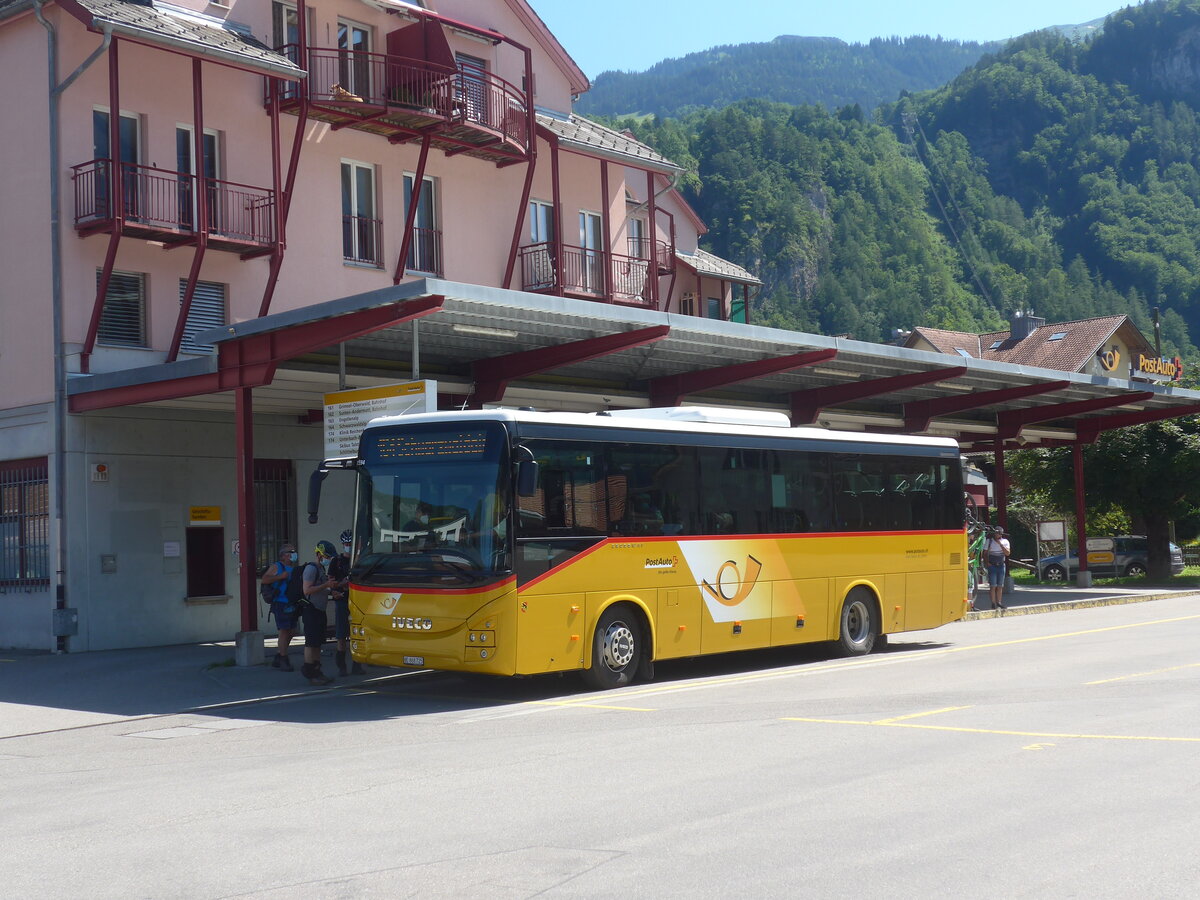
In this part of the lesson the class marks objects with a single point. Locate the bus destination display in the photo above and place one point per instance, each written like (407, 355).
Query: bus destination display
(459, 445)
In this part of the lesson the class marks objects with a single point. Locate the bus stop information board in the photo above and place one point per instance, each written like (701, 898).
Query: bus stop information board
(348, 412)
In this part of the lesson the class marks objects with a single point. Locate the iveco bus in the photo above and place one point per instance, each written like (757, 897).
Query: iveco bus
(516, 543)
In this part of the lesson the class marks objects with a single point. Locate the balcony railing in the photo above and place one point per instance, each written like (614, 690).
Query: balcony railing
(383, 91)
(589, 273)
(162, 203)
(425, 253)
(362, 240)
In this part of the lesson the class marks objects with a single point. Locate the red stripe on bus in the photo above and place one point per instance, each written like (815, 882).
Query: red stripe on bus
(434, 590)
(679, 538)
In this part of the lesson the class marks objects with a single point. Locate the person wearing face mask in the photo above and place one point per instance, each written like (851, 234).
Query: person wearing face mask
(339, 593)
(419, 523)
(316, 597)
(284, 611)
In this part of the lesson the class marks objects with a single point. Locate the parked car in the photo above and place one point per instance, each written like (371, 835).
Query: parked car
(1128, 557)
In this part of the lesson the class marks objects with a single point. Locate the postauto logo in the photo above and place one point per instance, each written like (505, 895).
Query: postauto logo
(727, 581)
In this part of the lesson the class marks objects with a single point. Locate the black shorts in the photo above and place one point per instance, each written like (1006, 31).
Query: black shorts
(315, 622)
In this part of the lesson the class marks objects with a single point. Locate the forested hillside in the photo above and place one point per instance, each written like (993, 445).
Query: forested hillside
(1055, 175)
(825, 71)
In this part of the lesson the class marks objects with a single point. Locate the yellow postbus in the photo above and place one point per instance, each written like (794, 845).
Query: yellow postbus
(518, 543)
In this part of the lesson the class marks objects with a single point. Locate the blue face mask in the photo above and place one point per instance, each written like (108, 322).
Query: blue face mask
(292, 556)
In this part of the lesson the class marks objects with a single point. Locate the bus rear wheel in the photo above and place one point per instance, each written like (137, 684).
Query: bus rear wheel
(859, 624)
(616, 649)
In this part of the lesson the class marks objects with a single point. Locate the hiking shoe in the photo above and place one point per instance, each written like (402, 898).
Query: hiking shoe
(281, 662)
(319, 678)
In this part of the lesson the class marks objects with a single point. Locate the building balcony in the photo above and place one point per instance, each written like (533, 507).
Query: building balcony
(594, 274)
(463, 109)
(160, 205)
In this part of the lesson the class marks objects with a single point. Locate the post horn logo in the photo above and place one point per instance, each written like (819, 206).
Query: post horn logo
(1110, 359)
(741, 587)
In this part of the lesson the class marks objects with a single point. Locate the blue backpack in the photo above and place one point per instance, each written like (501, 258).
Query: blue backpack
(293, 588)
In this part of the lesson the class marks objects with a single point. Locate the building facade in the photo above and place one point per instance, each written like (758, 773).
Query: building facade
(194, 165)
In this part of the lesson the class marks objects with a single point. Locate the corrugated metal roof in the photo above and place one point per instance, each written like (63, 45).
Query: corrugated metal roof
(712, 266)
(593, 137)
(174, 28)
(480, 323)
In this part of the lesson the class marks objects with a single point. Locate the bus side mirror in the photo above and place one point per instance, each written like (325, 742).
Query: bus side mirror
(314, 493)
(527, 477)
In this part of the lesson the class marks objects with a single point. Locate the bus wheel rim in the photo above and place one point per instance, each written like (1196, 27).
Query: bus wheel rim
(618, 646)
(857, 622)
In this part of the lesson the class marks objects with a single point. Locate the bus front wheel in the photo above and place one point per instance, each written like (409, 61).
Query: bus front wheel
(616, 649)
(859, 624)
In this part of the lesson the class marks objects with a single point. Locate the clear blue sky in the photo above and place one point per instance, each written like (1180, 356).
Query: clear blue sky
(635, 34)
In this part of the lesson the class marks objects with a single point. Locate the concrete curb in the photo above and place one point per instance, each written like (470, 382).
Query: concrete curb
(1060, 605)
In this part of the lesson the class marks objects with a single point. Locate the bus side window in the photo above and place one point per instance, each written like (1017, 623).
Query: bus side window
(921, 506)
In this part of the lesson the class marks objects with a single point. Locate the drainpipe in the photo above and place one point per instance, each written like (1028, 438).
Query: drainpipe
(54, 92)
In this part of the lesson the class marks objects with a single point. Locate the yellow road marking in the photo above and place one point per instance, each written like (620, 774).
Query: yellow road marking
(590, 705)
(932, 712)
(1033, 734)
(1143, 674)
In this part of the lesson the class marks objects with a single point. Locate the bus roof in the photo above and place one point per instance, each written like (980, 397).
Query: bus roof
(685, 419)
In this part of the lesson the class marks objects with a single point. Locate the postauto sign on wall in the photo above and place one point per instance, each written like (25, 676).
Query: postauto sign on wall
(1157, 368)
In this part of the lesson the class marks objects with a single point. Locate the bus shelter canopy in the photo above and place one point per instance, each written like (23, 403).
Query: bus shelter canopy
(492, 346)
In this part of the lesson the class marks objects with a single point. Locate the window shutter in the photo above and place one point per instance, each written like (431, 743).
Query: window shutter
(207, 312)
(123, 319)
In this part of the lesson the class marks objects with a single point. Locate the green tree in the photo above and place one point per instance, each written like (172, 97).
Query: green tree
(1151, 472)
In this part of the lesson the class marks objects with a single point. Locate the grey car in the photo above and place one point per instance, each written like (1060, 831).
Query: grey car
(1129, 558)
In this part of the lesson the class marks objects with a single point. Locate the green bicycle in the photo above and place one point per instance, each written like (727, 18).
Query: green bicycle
(977, 532)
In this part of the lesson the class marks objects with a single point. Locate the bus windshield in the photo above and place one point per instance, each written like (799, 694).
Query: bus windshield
(433, 505)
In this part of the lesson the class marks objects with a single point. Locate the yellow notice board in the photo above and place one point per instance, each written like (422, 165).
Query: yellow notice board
(204, 515)
(348, 412)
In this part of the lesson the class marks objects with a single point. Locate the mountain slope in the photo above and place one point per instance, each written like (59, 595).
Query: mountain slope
(1053, 176)
(789, 69)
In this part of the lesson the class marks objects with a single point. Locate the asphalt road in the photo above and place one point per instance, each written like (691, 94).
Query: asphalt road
(1029, 756)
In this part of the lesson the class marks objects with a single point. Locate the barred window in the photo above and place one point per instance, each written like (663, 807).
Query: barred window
(24, 523)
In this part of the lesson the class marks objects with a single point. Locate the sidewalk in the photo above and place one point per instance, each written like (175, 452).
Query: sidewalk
(50, 692)
(1026, 600)
(42, 692)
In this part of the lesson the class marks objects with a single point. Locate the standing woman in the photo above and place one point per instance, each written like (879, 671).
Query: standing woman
(996, 552)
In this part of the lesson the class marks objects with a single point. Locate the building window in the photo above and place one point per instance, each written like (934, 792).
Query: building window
(538, 260)
(714, 307)
(639, 247)
(188, 189)
(425, 250)
(24, 523)
(591, 275)
(361, 231)
(541, 222)
(737, 309)
(274, 511)
(354, 58)
(206, 312)
(123, 319)
(687, 303)
(129, 137)
(205, 561)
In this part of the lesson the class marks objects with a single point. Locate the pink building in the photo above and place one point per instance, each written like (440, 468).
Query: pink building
(177, 174)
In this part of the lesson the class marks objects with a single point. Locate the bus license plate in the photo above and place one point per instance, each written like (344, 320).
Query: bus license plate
(414, 660)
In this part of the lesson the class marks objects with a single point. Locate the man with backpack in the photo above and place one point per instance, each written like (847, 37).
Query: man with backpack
(316, 585)
(285, 609)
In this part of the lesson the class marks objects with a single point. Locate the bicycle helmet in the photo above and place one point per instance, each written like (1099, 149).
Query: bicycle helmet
(326, 549)
(347, 536)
